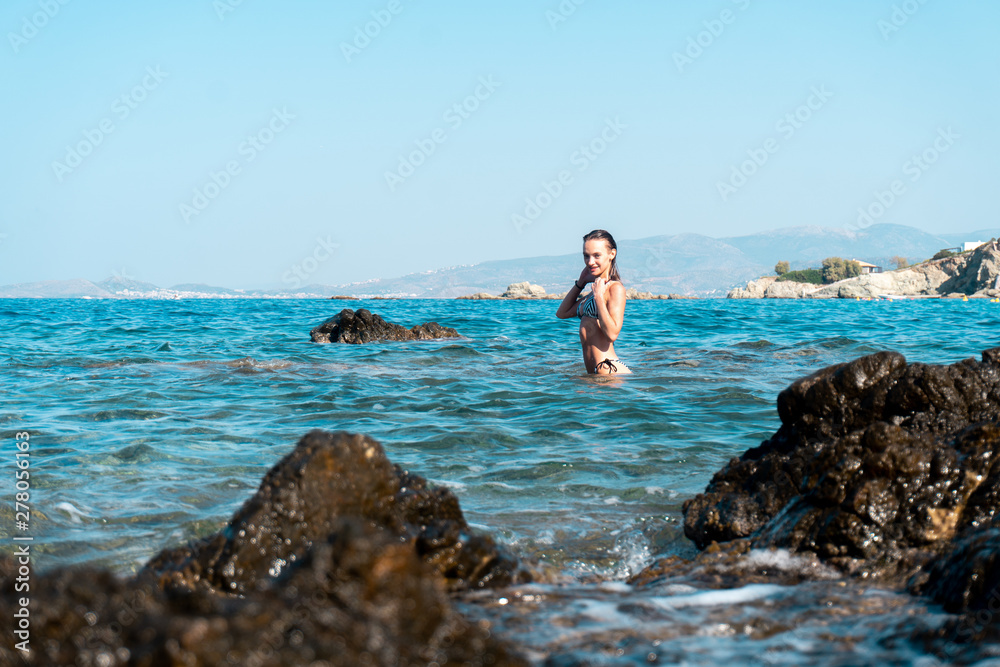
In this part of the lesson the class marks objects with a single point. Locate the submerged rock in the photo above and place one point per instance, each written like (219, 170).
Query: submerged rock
(877, 468)
(363, 326)
(340, 557)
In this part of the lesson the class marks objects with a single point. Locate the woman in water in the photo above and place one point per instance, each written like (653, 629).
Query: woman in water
(601, 312)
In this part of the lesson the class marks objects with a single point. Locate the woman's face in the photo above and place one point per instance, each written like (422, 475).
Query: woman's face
(597, 255)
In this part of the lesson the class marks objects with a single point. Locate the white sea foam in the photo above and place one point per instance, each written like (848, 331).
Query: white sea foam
(784, 560)
(502, 485)
(718, 598)
(449, 484)
(605, 612)
(74, 513)
(673, 590)
(615, 587)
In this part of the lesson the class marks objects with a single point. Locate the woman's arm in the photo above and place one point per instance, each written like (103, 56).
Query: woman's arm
(567, 308)
(610, 310)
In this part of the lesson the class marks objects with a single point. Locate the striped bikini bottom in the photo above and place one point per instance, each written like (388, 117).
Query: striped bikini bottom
(612, 365)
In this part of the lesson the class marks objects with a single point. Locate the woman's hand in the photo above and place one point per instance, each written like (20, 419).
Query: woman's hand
(586, 276)
(600, 285)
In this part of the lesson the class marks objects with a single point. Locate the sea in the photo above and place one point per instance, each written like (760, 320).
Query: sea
(151, 422)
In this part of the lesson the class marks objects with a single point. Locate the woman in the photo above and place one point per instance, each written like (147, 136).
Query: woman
(601, 312)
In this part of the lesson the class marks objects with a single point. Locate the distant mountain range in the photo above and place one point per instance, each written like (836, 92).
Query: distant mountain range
(689, 264)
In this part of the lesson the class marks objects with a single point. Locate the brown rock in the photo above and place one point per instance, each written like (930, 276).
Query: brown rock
(329, 476)
(339, 557)
(360, 597)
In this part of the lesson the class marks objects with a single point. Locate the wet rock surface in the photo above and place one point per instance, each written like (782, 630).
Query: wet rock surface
(361, 597)
(965, 582)
(877, 467)
(884, 470)
(329, 476)
(364, 326)
(340, 557)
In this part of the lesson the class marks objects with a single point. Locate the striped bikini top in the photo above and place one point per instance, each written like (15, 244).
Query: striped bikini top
(587, 307)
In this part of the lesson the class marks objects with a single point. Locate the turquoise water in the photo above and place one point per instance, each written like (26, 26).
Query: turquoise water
(152, 421)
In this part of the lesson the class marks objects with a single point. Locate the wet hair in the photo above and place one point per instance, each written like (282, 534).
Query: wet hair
(601, 235)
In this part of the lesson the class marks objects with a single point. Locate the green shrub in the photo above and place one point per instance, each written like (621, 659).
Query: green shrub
(944, 254)
(782, 268)
(836, 268)
(812, 276)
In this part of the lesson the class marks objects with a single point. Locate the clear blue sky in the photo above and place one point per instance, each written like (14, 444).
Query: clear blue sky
(309, 129)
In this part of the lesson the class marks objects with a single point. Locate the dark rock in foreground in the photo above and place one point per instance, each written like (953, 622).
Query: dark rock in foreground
(340, 558)
(363, 326)
(877, 467)
(883, 470)
(361, 597)
(329, 476)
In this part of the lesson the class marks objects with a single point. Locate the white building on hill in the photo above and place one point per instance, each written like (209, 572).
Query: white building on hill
(868, 268)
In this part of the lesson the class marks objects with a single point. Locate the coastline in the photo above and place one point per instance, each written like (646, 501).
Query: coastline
(974, 274)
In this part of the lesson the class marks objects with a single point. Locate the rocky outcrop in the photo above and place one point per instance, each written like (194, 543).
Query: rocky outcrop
(966, 582)
(884, 470)
(978, 275)
(523, 290)
(339, 557)
(299, 503)
(363, 326)
(479, 296)
(921, 280)
(878, 467)
(769, 287)
(975, 274)
(359, 598)
(633, 293)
